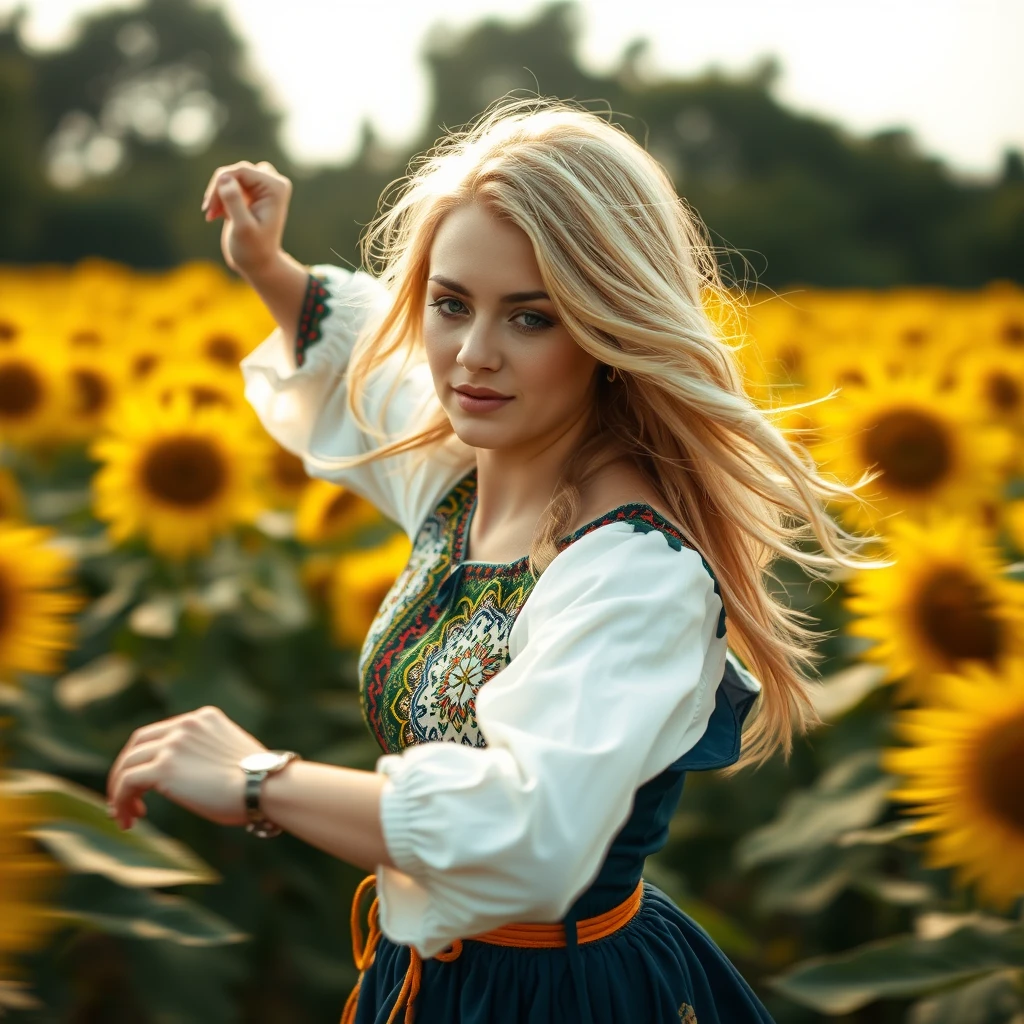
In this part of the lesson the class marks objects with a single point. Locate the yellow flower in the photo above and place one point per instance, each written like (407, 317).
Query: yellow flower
(26, 883)
(12, 501)
(203, 381)
(930, 446)
(34, 629)
(359, 585)
(964, 776)
(327, 512)
(34, 394)
(176, 476)
(285, 476)
(944, 603)
(96, 384)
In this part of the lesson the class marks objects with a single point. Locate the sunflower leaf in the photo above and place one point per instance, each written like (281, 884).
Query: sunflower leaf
(808, 884)
(95, 901)
(904, 965)
(994, 999)
(82, 836)
(844, 690)
(850, 795)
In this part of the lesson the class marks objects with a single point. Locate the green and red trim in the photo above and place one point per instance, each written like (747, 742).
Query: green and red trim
(315, 307)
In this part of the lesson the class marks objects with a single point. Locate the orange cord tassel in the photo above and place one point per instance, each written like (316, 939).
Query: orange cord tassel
(523, 936)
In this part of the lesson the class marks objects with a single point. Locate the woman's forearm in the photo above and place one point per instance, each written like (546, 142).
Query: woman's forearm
(333, 808)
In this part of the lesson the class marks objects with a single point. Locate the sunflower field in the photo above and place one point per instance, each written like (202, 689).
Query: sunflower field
(159, 552)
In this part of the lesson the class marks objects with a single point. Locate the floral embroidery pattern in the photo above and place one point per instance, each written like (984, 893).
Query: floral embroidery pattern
(314, 308)
(443, 629)
(686, 1014)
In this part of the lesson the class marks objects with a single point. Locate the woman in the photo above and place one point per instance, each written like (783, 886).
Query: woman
(533, 389)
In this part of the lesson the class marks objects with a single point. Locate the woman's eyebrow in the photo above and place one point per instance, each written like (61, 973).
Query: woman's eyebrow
(514, 297)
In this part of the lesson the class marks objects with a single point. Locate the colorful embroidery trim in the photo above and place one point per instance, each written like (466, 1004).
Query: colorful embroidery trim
(443, 630)
(315, 307)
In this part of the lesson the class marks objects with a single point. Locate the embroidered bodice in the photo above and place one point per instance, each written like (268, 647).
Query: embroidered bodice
(443, 629)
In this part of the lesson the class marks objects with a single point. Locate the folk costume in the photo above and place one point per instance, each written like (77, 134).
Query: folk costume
(536, 733)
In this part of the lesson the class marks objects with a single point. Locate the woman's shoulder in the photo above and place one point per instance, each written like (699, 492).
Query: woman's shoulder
(617, 485)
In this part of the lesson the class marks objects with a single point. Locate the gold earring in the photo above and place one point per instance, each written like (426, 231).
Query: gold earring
(610, 373)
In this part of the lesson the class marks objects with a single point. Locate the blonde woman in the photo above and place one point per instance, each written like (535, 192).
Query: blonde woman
(533, 390)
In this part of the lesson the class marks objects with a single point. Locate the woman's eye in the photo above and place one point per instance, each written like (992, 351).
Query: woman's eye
(540, 322)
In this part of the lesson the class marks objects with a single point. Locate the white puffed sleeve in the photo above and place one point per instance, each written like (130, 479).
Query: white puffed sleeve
(615, 663)
(303, 407)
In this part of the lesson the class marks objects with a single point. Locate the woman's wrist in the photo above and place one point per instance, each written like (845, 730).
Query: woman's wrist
(334, 808)
(281, 283)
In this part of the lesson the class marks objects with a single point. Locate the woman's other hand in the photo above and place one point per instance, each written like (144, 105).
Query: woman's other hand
(191, 759)
(253, 200)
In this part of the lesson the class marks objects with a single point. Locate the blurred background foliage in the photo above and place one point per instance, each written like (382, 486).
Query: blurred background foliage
(158, 552)
(137, 112)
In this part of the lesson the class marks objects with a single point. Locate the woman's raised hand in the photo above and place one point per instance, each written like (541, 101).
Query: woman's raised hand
(253, 200)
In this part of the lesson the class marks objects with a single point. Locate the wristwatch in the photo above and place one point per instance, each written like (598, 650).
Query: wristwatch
(257, 767)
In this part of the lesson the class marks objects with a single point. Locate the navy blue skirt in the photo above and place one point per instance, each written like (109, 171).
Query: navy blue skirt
(661, 967)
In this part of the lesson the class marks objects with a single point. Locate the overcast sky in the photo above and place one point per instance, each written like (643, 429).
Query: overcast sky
(949, 70)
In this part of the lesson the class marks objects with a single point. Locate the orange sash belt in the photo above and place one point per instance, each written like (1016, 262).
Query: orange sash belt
(524, 936)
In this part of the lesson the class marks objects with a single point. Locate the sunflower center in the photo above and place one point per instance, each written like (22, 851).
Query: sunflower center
(999, 772)
(20, 390)
(288, 469)
(92, 391)
(341, 504)
(851, 376)
(1003, 392)
(86, 338)
(911, 448)
(202, 395)
(186, 471)
(954, 611)
(144, 364)
(1013, 332)
(224, 349)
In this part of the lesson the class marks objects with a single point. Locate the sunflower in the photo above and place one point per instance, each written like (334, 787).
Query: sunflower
(34, 394)
(26, 882)
(327, 512)
(360, 582)
(945, 602)
(12, 501)
(285, 477)
(34, 628)
(96, 385)
(205, 383)
(175, 475)
(930, 447)
(964, 777)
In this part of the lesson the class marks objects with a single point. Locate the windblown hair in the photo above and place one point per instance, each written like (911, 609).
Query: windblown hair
(632, 276)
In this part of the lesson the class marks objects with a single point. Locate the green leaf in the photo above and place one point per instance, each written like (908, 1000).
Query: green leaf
(995, 999)
(850, 795)
(728, 934)
(902, 966)
(809, 884)
(95, 901)
(83, 837)
(844, 690)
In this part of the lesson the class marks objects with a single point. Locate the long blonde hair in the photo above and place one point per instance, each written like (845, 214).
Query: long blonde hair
(631, 274)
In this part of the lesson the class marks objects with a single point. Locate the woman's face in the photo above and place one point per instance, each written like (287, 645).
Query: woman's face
(488, 327)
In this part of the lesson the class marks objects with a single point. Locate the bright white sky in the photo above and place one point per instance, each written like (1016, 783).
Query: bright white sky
(949, 70)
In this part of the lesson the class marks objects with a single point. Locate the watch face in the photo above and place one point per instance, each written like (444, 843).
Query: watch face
(261, 761)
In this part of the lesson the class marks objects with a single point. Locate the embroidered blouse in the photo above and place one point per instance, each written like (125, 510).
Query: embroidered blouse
(502, 800)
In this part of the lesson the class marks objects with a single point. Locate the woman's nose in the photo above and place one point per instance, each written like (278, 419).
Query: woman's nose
(478, 350)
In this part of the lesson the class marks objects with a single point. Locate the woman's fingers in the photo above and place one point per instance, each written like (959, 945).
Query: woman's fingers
(140, 754)
(143, 735)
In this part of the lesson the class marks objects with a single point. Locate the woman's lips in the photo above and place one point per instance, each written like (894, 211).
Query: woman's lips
(470, 403)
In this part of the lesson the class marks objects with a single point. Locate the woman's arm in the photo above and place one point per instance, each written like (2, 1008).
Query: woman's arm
(193, 759)
(282, 286)
(335, 809)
